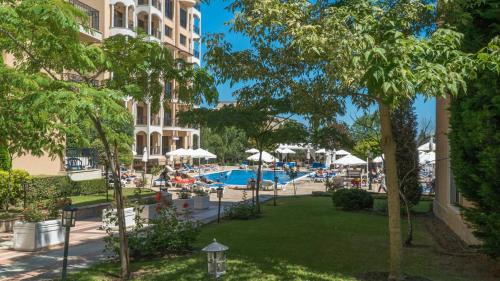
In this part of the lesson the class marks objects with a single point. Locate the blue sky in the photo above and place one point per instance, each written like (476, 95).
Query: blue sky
(214, 17)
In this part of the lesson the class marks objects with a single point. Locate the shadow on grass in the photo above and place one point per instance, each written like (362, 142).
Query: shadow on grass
(195, 268)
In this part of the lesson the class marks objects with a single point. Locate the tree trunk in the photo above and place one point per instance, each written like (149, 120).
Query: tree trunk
(389, 149)
(115, 170)
(8, 184)
(259, 173)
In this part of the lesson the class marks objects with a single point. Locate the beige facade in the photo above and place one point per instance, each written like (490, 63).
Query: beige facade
(174, 23)
(447, 197)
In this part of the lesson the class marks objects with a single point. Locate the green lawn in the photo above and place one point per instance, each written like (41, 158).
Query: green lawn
(84, 200)
(303, 239)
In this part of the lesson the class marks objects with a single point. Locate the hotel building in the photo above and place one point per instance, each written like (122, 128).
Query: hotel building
(174, 23)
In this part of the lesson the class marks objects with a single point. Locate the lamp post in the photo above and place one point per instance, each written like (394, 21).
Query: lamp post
(370, 155)
(275, 189)
(220, 192)
(26, 187)
(68, 221)
(216, 259)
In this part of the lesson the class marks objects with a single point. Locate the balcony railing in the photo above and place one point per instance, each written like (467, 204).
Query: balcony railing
(167, 120)
(196, 53)
(81, 159)
(140, 149)
(155, 120)
(92, 13)
(156, 32)
(79, 79)
(155, 150)
(142, 120)
(119, 22)
(164, 150)
(156, 4)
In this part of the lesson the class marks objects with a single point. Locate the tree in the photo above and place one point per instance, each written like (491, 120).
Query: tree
(475, 131)
(366, 134)
(260, 121)
(58, 73)
(228, 143)
(404, 127)
(371, 52)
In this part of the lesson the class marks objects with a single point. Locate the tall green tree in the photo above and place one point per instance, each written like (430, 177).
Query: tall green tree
(369, 51)
(474, 119)
(365, 131)
(44, 38)
(404, 128)
(228, 143)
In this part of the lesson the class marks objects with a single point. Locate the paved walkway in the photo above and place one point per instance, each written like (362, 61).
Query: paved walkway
(87, 246)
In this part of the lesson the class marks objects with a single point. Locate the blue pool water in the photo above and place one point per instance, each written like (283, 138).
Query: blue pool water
(241, 177)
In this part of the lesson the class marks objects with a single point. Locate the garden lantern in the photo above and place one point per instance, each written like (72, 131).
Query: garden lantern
(68, 221)
(68, 216)
(216, 256)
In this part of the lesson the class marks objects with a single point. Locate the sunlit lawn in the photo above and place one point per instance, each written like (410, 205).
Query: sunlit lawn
(83, 200)
(303, 238)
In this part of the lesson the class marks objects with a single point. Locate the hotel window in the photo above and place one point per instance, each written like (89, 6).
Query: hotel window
(169, 9)
(168, 90)
(183, 40)
(168, 31)
(183, 18)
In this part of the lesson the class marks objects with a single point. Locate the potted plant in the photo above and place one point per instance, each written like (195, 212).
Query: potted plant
(184, 203)
(34, 233)
(151, 207)
(201, 199)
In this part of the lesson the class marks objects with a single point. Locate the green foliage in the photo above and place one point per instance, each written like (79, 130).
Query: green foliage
(33, 214)
(404, 128)
(62, 186)
(242, 210)
(228, 143)
(475, 118)
(352, 199)
(5, 164)
(366, 135)
(167, 234)
(14, 191)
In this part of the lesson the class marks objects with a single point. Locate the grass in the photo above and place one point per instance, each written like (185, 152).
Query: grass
(303, 238)
(85, 200)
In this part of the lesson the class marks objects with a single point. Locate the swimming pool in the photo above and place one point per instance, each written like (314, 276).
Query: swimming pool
(241, 177)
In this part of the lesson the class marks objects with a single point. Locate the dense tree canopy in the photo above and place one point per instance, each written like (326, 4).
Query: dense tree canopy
(475, 119)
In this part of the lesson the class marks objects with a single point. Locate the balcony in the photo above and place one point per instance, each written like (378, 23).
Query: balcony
(167, 120)
(93, 19)
(142, 120)
(196, 30)
(78, 159)
(156, 4)
(71, 77)
(156, 32)
(155, 150)
(155, 120)
(188, 3)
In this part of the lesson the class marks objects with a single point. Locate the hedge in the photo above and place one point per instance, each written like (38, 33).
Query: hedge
(59, 186)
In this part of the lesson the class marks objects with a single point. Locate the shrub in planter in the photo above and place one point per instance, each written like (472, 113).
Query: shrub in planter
(352, 199)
